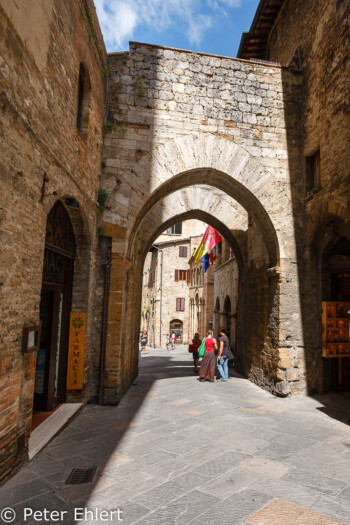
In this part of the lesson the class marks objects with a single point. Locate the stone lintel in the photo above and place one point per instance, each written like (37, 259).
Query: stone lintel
(113, 230)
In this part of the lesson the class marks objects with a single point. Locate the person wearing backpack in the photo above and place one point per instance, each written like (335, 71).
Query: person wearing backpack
(223, 355)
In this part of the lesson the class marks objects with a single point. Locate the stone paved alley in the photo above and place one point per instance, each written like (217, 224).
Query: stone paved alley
(176, 452)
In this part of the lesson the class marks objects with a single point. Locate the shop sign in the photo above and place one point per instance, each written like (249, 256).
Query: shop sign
(75, 373)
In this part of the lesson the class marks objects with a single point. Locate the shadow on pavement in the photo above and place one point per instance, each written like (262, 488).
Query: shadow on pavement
(336, 406)
(92, 440)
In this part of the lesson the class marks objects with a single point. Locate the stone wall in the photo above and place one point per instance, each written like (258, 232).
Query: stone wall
(200, 136)
(163, 292)
(201, 299)
(41, 47)
(226, 287)
(314, 37)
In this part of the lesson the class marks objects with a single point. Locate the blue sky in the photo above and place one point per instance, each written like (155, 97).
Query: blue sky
(211, 26)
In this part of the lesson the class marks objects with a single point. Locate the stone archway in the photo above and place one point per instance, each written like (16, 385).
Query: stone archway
(185, 171)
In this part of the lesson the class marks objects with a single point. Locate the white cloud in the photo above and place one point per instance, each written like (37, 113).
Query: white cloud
(118, 21)
(120, 18)
(231, 3)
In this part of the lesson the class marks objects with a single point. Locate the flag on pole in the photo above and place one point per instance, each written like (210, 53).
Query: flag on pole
(210, 239)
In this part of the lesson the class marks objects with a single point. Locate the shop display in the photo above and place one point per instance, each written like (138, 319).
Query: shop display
(335, 329)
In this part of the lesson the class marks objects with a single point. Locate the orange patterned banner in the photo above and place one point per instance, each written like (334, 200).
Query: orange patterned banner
(75, 372)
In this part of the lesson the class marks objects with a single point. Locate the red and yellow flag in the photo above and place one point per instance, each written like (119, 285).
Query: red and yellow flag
(210, 239)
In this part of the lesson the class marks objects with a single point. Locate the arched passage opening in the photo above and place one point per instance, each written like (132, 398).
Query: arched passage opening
(217, 315)
(331, 264)
(214, 180)
(228, 317)
(254, 246)
(233, 189)
(176, 326)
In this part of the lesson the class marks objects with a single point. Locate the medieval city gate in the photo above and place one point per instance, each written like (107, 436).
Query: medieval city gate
(197, 136)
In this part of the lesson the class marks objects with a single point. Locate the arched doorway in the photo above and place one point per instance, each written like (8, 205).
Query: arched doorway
(177, 327)
(217, 315)
(335, 285)
(56, 293)
(228, 316)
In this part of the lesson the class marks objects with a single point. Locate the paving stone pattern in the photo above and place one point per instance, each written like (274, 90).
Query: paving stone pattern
(176, 451)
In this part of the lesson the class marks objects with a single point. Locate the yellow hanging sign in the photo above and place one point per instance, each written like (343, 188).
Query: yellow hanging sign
(75, 371)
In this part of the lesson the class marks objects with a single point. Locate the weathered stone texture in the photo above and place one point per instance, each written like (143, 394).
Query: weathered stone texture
(201, 297)
(225, 302)
(180, 121)
(41, 47)
(314, 38)
(163, 290)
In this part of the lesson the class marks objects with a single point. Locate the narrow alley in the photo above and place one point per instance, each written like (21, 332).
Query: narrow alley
(177, 452)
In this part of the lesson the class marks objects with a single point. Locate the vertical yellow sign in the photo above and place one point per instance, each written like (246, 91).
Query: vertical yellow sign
(75, 371)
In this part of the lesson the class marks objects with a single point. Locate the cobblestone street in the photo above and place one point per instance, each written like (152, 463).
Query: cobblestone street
(176, 452)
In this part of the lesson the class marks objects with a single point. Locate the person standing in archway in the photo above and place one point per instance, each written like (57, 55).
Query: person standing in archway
(207, 369)
(168, 341)
(196, 342)
(173, 339)
(223, 355)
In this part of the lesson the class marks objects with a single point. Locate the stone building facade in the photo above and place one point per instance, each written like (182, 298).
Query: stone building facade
(201, 297)
(313, 39)
(166, 284)
(52, 61)
(214, 294)
(225, 293)
(199, 136)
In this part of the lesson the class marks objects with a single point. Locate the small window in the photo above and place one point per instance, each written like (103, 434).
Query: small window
(182, 275)
(84, 99)
(313, 172)
(180, 305)
(182, 251)
(176, 229)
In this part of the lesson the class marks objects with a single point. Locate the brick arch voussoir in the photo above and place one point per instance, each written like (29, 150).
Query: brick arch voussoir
(183, 154)
(205, 217)
(223, 182)
(204, 159)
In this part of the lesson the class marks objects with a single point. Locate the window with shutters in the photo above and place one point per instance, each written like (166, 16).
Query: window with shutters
(182, 275)
(175, 229)
(180, 304)
(182, 251)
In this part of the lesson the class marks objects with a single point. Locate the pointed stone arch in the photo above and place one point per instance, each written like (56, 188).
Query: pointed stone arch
(197, 159)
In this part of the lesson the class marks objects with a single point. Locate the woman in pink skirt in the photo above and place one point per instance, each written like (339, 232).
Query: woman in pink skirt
(207, 369)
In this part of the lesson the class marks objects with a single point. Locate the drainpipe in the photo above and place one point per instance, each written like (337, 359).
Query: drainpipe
(107, 279)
